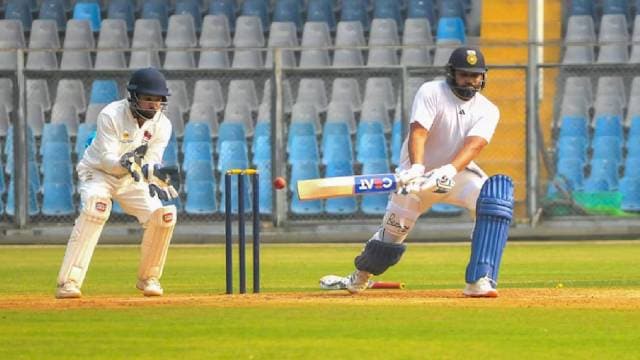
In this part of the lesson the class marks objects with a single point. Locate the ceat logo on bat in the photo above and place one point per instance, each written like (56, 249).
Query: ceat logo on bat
(374, 183)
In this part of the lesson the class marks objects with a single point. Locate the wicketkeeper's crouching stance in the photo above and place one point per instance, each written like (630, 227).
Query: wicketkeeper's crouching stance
(451, 122)
(124, 163)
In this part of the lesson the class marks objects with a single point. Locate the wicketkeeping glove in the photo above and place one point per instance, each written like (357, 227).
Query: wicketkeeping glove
(161, 180)
(132, 161)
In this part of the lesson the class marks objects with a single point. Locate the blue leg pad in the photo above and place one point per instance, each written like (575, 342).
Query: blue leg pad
(494, 211)
(378, 256)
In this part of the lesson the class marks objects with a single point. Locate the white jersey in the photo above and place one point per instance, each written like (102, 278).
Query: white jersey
(449, 121)
(118, 132)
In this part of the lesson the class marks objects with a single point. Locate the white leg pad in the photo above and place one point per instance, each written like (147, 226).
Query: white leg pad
(155, 242)
(83, 240)
(402, 213)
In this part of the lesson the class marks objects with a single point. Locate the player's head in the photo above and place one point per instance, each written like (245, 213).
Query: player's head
(148, 92)
(466, 72)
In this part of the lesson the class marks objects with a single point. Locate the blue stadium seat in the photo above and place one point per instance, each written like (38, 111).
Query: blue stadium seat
(321, 11)
(631, 166)
(263, 128)
(226, 8)
(616, 7)
(56, 151)
(342, 205)
(288, 11)
(355, 10)
(451, 28)
(265, 188)
(156, 9)
(368, 127)
(451, 8)
(59, 172)
(258, 8)
(2, 184)
(582, 7)
(396, 142)
(234, 193)
(54, 132)
(333, 128)
(104, 91)
(201, 198)
(170, 156)
(32, 200)
(303, 148)
(19, 10)
(196, 131)
(630, 189)
(607, 148)
(300, 171)
(233, 154)
(608, 126)
(122, 9)
(572, 171)
(571, 147)
(634, 127)
(190, 7)
(442, 209)
(375, 204)
(262, 150)
(602, 170)
(372, 147)
(230, 131)
(573, 126)
(54, 10)
(88, 11)
(85, 130)
(388, 9)
(337, 148)
(199, 170)
(57, 199)
(421, 9)
(633, 148)
(299, 129)
(196, 151)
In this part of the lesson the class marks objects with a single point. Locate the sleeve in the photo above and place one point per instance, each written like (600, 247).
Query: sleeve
(107, 146)
(159, 143)
(424, 110)
(486, 124)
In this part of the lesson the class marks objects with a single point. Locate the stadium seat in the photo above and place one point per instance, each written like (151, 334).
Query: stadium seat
(53, 10)
(263, 128)
(6, 93)
(336, 148)
(123, 10)
(287, 94)
(11, 36)
(56, 151)
(334, 128)
(375, 111)
(615, 7)
(181, 33)
(384, 33)
(301, 171)
(52, 133)
(355, 11)
(608, 148)
(66, 114)
(602, 170)
(372, 147)
(170, 156)
(315, 37)
(230, 131)
(200, 170)
(611, 86)
(303, 148)
(196, 131)
(244, 91)
(396, 142)
(233, 152)
(196, 151)
(632, 166)
(380, 89)
(608, 126)
(71, 91)
(417, 32)
(368, 127)
(341, 205)
(262, 150)
(190, 7)
(206, 114)
(201, 198)
(573, 105)
(451, 8)
(342, 112)
(237, 111)
(4, 121)
(451, 28)
(104, 91)
(388, 9)
(88, 11)
(57, 199)
(84, 131)
(312, 91)
(375, 204)
(93, 109)
(265, 188)
(156, 10)
(573, 126)
(421, 9)
(288, 11)
(249, 34)
(572, 148)
(78, 39)
(215, 33)
(19, 10)
(349, 34)
(226, 8)
(321, 11)
(579, 37)
(580, 87)
(209, 92)
(32, 201)
(572, 170)
(299, 128)
(44, 35)
(582, 7)
(35, 118)
(282, 34)
(259, 9)
(147, 34)
(613, 39)
(630, 189)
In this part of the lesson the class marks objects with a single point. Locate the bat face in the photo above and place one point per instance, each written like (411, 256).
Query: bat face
(346, 186)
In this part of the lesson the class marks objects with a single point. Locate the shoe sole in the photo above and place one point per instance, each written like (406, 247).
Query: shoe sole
(490, 294)
(68, 296)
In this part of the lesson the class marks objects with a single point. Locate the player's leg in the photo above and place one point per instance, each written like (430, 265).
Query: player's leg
(82, 242)
(493, 206)
(158, 222)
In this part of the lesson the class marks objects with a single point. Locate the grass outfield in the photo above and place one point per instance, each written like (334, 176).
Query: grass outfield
(557, 300)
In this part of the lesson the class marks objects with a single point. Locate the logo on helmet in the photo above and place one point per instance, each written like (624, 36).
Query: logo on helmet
(472, 58)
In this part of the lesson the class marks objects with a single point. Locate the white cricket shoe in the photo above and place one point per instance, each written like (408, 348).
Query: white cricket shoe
(358, 281)
(484, 287)
(68, 290)
(150, 287)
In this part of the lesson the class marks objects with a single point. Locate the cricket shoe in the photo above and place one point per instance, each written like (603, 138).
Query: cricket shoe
(68, 290)
(150, 287)
(358, 281)
(484, 287)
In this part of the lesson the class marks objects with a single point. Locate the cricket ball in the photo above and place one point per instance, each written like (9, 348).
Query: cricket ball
(279, 183)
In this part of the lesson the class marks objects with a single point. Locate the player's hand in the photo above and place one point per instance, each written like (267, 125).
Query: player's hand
(444, 178)
(132, 161)
(164, 194)
(161, 180)
(405, 176)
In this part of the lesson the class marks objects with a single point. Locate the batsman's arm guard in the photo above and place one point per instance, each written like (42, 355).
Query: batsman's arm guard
(378, 256)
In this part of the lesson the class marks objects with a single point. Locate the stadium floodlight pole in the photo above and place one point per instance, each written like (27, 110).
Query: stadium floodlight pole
(532, 111)
(278, 167)
(20, 163)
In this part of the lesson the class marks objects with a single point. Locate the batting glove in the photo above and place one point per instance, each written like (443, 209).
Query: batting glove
(444, 178)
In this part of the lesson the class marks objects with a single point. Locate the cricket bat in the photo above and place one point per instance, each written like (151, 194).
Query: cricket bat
(340, 186)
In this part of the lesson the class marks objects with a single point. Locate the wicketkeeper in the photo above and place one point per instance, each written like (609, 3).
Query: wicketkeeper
(124, 163)
(451, 122)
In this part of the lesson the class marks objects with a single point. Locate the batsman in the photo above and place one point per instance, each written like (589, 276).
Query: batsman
(450, 124)
(123, 163)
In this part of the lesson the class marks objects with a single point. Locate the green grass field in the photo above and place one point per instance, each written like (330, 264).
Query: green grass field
(558, 300)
